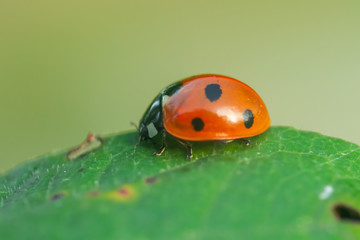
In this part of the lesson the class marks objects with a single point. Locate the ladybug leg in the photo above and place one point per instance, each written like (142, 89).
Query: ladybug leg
(188, 147)
(163, 145)
(245, 141)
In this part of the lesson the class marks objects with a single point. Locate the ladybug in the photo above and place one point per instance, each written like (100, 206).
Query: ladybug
(204, 108)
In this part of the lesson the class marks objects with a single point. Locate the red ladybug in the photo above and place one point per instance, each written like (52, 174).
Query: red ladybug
(202, 108)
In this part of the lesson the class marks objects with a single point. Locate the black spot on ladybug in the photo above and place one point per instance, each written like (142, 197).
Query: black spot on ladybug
(213, 92)
(198, 124)
(248, 118)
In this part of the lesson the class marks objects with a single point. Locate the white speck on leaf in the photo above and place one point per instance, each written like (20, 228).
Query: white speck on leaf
(326, 193)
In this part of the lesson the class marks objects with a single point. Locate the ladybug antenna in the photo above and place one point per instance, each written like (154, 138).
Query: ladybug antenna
(137, 144)
(134, 124)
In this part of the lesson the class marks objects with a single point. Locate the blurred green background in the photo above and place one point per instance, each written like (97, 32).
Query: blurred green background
(70, 67)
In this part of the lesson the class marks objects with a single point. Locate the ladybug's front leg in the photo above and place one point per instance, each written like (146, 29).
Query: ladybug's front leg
(163, 145)
(245, 141)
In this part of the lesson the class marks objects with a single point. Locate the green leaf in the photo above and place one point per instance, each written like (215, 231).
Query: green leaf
(289, 184)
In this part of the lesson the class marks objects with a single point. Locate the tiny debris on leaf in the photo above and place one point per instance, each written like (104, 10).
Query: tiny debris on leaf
(90, 144)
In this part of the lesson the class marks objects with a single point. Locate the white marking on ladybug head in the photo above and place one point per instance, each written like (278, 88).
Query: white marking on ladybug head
(165, 98)
(152, 131)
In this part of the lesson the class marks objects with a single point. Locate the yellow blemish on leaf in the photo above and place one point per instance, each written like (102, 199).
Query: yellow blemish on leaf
(123, 194)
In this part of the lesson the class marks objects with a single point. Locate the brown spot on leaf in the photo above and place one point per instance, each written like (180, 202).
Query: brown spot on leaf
(346, 213)
(81, 170)
(90, 144)
(185, 169)
(57, 196)
(123, 194)
(150, 180)
(124, 191)
(94, 193)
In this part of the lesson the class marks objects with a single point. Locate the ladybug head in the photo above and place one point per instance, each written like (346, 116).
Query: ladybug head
(143, 132)
(148, 131)
(151, 123)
